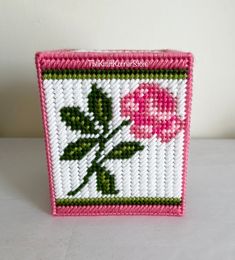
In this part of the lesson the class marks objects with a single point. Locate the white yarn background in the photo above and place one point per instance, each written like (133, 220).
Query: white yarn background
(154, 172)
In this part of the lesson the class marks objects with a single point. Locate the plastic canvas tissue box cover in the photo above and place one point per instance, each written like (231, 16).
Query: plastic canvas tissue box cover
(116, 127)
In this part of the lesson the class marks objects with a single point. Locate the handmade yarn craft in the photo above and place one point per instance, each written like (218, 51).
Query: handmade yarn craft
(116, 129)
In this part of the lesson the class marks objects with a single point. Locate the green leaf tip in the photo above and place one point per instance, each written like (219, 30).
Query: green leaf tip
(77, 150)
(77, 120)
(101, 106)
(124, 150)
(105, 181)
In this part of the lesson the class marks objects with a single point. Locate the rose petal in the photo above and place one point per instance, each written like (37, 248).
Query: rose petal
(168, 129)
(141, 131)
(153, 110)
(129, 106)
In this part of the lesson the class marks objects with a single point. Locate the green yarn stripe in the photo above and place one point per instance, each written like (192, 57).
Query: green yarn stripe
(116, 74)
(117, 201)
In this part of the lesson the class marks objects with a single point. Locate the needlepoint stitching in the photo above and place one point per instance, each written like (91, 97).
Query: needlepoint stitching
(153, 111)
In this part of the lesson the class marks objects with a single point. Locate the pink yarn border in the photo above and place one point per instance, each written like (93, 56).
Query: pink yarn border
(119, 210)
(76, 60)
(82, 60)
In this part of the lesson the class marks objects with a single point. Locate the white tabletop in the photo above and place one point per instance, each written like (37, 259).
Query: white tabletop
(28, 231)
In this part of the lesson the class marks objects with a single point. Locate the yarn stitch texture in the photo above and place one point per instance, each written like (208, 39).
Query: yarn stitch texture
(116, 134)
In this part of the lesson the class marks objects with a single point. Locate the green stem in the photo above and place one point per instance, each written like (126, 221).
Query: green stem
(90, 172)
(92, 168)
(124, 123)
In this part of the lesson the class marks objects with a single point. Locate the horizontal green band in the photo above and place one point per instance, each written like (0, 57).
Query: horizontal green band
(116, 74)
(117, 201)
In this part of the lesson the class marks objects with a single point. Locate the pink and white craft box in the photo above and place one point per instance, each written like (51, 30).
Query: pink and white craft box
(116, 127)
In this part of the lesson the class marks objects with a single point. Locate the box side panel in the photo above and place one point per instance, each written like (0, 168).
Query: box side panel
(188, 106)
(38, 60)
(53, 61)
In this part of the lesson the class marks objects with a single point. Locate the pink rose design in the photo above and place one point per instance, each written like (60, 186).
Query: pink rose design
(153, 111)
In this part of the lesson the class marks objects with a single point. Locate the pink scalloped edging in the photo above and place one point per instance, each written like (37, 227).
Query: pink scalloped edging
(78, 60)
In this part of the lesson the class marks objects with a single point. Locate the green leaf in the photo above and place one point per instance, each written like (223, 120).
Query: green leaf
(124, 150)
(77, 150)
(101, 106)
(77, 120)
(105, 181)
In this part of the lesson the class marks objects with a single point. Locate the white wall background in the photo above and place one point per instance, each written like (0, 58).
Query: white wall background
(204, 27)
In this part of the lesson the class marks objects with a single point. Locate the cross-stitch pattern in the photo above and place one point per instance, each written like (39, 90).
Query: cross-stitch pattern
(116, 138)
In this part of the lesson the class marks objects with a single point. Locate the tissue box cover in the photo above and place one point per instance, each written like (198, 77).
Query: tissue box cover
(116, 127)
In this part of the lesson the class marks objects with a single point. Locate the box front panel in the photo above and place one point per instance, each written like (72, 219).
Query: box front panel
(116, 139)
